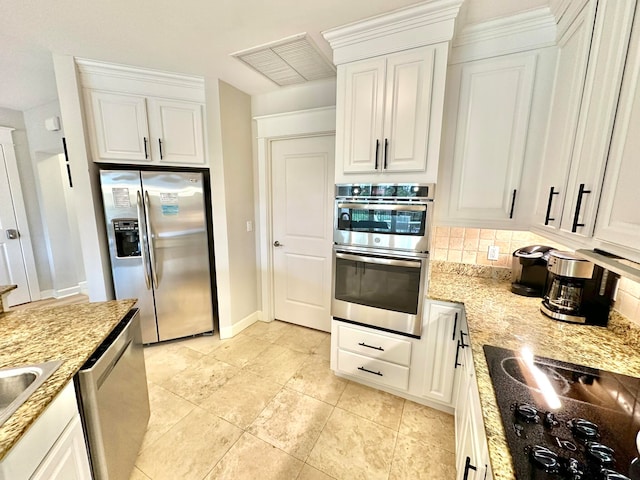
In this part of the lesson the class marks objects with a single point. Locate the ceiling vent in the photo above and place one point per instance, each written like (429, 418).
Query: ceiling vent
(288, 61)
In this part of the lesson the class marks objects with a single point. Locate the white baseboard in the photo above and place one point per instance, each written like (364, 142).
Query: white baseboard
(236, 328)
(65, 292)
(84, 289)
(44, 294)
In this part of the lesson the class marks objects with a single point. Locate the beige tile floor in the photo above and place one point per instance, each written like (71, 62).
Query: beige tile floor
(265, 405)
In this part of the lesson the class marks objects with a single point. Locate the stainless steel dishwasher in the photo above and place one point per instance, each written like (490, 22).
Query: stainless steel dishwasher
(114, 401)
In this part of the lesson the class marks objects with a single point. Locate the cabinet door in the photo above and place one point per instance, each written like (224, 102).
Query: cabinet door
(493, 114)
(67, 459)
(571, 67)
(118, 127)
(439, 329)
(177, 131)
(360, 104)
(409, 90)
(619, 215)
(607, 57)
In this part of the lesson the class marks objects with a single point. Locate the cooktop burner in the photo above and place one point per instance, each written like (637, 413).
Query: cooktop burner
(564, 421)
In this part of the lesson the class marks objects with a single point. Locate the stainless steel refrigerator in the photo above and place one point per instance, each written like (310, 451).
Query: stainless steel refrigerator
(159, 248)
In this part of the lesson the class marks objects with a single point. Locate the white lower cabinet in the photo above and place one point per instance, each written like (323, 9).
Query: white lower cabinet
(53, 447)
(420, 369)
(472, 454)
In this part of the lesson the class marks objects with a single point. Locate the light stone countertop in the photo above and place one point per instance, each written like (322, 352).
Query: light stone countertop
(498, 317)
(70, 333)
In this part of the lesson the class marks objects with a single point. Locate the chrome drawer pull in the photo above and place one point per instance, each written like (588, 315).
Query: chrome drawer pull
(362, 344)
(370, 371)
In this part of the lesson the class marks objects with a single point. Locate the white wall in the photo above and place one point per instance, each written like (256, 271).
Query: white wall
(232, 190)
(55, 198)
(86, 191)
(321, 93)
(235, 114)
(15, 119)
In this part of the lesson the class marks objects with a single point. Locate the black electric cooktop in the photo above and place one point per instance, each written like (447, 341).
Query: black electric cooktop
(564, 421)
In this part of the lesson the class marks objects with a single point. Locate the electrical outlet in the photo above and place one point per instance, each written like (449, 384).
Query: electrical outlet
(249, 226)
(492, 252)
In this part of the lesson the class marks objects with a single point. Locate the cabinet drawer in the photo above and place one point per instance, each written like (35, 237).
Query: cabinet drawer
(373, 370)
(374, 345)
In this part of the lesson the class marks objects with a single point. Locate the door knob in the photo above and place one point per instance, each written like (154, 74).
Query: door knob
(12, 234)
(277, 244)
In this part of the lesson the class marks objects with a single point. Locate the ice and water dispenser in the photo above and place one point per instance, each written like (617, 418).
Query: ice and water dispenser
(127, 237)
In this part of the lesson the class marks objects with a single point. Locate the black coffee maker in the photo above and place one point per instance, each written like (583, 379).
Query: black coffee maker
(529, 270)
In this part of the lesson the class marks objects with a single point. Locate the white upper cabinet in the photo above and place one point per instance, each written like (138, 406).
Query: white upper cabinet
(138, 116)
(119, 126)
(385, 105)
(390, 93)
(487, 137)
(619, 216)
(496, 109)
(177, 131)
(591, 59)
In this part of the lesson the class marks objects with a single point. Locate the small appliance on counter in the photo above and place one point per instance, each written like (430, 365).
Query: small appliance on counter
(577, 290)
(529, 270)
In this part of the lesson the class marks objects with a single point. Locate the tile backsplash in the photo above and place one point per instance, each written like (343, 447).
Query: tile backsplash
(470, 245)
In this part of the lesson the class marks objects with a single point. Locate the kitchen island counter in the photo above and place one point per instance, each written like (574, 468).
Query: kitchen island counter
(69, 333)
(495, 316)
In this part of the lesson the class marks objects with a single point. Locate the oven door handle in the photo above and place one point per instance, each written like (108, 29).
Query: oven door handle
(384, 206)
(380, 261)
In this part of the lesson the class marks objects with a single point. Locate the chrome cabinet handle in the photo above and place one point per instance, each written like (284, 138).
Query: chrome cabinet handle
(581, 192)
(160, 145)
(152, 248)
(143, 254)
(377, 150)
(513, 202)
(277, 244)
(547, 217)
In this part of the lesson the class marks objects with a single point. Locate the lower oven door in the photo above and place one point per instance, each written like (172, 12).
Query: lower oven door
(379, 290)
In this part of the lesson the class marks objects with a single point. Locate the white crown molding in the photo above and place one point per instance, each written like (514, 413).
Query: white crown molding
(99, 75)
(528, 30)
(418, 25)
(302, 122)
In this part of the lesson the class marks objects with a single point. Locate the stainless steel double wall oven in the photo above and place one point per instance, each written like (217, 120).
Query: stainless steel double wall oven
(381, 255)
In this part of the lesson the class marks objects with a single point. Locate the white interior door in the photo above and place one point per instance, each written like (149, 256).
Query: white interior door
(12, 264)
(302, 213)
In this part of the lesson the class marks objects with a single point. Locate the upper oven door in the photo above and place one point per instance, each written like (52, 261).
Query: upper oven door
(398, 226)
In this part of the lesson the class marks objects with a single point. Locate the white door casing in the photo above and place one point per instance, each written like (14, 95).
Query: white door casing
(302, 187)
(303, 123)
(17, 265)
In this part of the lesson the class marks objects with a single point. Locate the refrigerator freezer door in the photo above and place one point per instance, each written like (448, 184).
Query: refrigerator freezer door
(124, 214)
(179, 252)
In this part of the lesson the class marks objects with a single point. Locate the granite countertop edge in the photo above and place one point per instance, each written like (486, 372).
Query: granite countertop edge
(69, 333)
(497, 317)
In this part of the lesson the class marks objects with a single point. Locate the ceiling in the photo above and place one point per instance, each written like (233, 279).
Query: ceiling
(190, 36)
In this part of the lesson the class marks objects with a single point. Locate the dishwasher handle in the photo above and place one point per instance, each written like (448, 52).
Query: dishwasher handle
(113, 363)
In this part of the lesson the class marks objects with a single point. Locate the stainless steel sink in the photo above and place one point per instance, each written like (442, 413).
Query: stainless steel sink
(18, 383)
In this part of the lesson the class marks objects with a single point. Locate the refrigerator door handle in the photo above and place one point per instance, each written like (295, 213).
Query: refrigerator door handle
(147, 279)
(152, 251)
